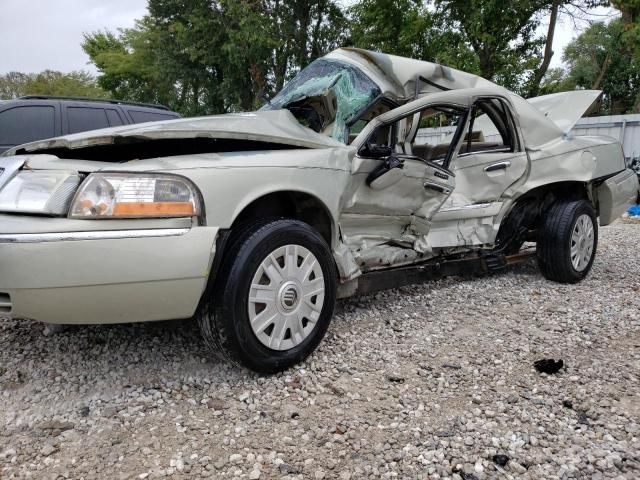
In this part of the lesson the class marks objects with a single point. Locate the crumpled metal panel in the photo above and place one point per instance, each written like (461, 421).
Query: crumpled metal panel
(399, 74)
(543, 119)
(277, 126)
(565, 108)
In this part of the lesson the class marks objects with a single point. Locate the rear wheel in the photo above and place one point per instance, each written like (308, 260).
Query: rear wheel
(568, 241)
(274, 297)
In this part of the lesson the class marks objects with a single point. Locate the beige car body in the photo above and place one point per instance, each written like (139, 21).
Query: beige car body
(69, 271)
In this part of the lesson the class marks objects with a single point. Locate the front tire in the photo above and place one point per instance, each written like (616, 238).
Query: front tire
(567, 241)
(274, 297)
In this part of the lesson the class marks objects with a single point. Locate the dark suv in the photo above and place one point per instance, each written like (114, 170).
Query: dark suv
(31, 118)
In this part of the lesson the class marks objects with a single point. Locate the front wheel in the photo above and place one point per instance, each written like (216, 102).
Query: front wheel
(567, 241)
(274, 297)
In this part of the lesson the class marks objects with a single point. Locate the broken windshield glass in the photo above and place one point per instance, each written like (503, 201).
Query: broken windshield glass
(326, 94)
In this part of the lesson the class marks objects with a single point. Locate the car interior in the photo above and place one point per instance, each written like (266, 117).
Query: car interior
(490, 130)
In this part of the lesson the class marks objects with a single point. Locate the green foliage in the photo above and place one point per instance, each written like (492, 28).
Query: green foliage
(502, 35)
(630, 10)
(400, 27)
(203, 56)
(600, 59)
(496, 39)
(409, 29)
(74, 84)
(12, 85)
(213, 56)
(556, 80)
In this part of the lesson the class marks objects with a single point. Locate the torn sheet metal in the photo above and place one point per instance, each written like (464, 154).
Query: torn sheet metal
(401, 74)
(460, 233)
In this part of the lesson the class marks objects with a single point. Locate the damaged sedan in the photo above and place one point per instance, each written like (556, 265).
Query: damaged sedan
(255, 223)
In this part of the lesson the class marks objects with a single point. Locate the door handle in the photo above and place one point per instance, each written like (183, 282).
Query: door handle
(437, 187)
(498, 166)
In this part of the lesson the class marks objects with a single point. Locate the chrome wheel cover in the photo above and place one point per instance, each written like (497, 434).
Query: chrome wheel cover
(286, 297)
(582, 242)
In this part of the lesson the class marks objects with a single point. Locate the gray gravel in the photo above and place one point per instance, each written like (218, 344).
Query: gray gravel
(431, 381)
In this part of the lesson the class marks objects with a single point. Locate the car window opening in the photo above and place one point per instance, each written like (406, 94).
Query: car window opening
(327, 96)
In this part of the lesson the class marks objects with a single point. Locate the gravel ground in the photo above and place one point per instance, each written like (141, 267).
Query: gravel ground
(431, 381)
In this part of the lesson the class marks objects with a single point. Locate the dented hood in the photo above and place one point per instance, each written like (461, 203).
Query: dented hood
(278, 126)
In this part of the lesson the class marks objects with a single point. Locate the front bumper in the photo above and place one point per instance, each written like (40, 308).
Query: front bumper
(116, 276)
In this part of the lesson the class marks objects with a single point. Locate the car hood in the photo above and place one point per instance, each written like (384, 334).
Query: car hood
(277, 126)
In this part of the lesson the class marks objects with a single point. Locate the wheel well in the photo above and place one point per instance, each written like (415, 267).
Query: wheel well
(289, 204)
(523, 220)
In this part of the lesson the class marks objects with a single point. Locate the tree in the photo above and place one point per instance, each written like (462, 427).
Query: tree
(504, 36)
(400, 27)
(408, 28)
(599, 59)
(495, 29)
(495, 39)
(74, 84)
(208, 56)
(12, 85)
(556, 80)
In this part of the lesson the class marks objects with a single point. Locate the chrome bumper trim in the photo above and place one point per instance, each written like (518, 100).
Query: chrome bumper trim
(98, 235)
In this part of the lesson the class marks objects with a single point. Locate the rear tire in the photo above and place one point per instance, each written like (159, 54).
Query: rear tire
(567, 241)
(274, 296)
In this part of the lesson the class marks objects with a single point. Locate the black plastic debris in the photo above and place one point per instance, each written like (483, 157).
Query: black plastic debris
(465, 475)
(452, 366)
(582, 418)
(500, 460)
(468, 476)
(548, 365)
(395, 378)
(286, 469)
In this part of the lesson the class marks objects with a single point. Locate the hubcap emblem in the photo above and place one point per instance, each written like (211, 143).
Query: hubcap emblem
(289, 298)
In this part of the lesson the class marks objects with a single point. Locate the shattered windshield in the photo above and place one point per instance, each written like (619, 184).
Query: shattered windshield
(343, 88)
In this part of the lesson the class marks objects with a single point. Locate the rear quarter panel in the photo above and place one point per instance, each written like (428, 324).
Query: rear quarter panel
(580, 159)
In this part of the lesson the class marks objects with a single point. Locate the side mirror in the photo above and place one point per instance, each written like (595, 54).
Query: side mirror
(377, 151)
(388, 173)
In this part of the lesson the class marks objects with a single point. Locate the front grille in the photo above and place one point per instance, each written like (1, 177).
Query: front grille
(5, 303)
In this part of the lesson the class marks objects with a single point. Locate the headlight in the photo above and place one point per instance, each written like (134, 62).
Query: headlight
(47, 193)
(129, 195)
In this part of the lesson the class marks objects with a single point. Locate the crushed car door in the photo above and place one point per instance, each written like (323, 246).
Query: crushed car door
(491, 159)
(394, 193)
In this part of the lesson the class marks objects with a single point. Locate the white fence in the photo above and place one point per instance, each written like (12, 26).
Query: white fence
(625, 128)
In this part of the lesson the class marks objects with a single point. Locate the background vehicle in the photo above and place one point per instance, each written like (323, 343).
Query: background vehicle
(256, 222)
(32, 118)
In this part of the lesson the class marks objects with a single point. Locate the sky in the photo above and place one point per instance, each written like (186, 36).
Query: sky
(37, 35)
